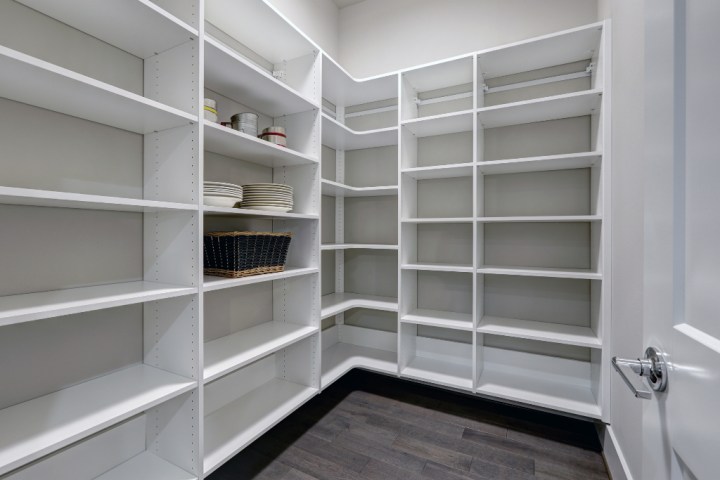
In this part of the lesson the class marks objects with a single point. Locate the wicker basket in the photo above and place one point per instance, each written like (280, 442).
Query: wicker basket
(242, 254)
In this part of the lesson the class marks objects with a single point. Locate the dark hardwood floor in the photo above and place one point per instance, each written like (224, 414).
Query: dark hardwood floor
(368, 426)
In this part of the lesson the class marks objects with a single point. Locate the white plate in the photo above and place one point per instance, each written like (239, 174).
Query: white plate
(222, 184)
(269, 208)
(268, 204)
(220, 201)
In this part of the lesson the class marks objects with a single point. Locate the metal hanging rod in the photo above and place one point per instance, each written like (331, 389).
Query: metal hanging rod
(539, 81)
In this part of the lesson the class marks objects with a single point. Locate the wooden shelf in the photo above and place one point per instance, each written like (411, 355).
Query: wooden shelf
(542, 331)
(548, 382)
(542, 218)
(211, 283)
(147, 466)
(246, 212)
(232, 352)
(440, 171)
(46, 198)
(139, 27)
(438, 267)
(440, 124)
(357, 246)
(43, 425)
(340, 358)
(29, 80)
(441, 372)
(339, 137)
(541, 164)
(539, 110)
(341, 88)
(579, 273)
(442, 319)
(336, 303)
(335, 189)
(37, 306)
(234, 144)
(234, 426)
(232, 76)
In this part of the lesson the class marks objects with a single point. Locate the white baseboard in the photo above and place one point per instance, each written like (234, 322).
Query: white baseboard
(614, 458)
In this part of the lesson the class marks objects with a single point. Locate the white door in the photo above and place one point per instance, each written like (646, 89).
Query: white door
(681, 426)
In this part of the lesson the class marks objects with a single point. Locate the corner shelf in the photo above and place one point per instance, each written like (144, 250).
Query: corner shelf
(539, 110)
(227, 354)
(38, 306)
(542, 331)
(340, 88)
(45, 424)
(438, 267)
(339, 137)
(211, 283)
(440, 124)
(139, 27)
(343, 357)
(147, 466)
(336, 189)
(231, 75)
(47, 198)
(578, 273)
(234, 144)
(357, 246)
(441, 319)
(540, 164)
(35, 82)
(440, 171)
(336, 303)
(442, 372)
(246, 212)
(234, 426)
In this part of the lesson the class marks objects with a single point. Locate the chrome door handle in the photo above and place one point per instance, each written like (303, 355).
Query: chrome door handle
(653, 368)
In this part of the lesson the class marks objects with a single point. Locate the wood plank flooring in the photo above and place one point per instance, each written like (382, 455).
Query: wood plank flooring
(368, 426)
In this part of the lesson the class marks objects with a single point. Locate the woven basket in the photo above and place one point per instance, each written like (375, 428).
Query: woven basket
(242, 254)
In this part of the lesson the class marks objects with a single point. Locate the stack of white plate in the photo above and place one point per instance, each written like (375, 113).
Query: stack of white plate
(274, 197)
(220, 194)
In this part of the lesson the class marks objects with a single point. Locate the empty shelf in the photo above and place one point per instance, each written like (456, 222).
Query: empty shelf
(217, 283)
(539, 110)
(438, 267)
(340, 88)
(440, 124)
(234, 426)
(540, 164)
(337, 303)
(357, 246)
(436, 318)
(543, 331)
(339, 137)
(247, 212)
(232, 76)
(40, 426)
(542, 218)
(35, 82)
(139, 27)
(439, 220)
(147, 466)
(440, 171)
(229, 353)
(443, 372)
(336, 189)
(36, 306)
(581, 273)
(234, 144)
(343, 357)
(47, 198)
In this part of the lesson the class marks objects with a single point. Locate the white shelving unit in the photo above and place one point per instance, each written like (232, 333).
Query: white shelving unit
(418, 244)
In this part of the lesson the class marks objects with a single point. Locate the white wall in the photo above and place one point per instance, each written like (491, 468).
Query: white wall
(318, 19)
(627, 215)
(379, 36)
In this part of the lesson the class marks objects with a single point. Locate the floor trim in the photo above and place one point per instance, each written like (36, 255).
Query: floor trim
(614, 458)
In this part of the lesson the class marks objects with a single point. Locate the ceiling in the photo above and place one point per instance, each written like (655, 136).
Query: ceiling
(346, 3)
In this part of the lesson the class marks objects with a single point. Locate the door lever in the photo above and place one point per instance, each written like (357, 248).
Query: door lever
(653, 368)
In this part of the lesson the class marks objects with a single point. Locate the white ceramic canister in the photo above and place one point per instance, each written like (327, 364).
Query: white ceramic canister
(210, 110)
